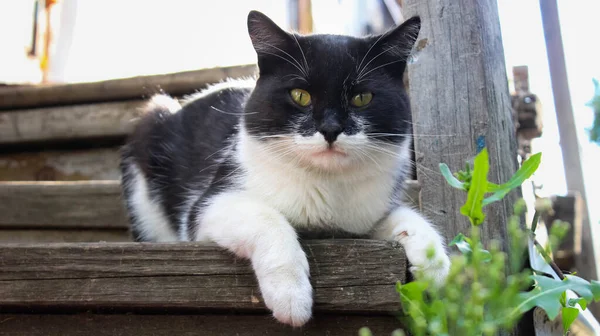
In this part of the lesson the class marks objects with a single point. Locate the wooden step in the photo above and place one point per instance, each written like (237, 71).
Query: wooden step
(186, 325)
(69, 123)
(354, 278)
(61, 165)
(62, 205)
(55, 114)
(77, 211)
(117, 89)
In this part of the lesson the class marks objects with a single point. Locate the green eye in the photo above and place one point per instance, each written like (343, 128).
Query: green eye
(300, 97)
(361, 99)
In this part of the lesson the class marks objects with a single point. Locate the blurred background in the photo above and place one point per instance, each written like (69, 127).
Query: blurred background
(69, 41)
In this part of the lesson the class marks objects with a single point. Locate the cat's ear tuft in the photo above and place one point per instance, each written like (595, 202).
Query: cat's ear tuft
(264, 33)
(400, 40)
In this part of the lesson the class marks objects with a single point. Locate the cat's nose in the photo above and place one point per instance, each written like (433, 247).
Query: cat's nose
(330, 131)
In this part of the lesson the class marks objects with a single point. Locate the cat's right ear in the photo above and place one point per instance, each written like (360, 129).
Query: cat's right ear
(265, 34)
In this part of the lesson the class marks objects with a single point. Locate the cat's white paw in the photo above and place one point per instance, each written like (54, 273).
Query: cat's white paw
(425, 252)
(287, 292)
(423, 245)
(290, 300)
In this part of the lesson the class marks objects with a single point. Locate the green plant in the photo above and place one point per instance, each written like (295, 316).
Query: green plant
(487, 291)
(594, 131)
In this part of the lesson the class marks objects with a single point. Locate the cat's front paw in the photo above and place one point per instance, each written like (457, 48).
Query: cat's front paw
(288, 293)
(426, 254)
(291, 302)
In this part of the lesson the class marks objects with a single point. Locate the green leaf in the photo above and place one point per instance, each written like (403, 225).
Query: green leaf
(493, 187)
(412, 297)
(364, 331)
(595, 289)
(581, 301)
(527, 169)
(569, 315)
(473, 206)
(461, 243)
(486, 255)
(452, 181)
(548, 291)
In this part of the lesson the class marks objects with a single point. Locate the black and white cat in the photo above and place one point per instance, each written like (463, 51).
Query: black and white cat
(320, 141)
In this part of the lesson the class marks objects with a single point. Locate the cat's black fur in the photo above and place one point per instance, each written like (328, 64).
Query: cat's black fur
(190, 152)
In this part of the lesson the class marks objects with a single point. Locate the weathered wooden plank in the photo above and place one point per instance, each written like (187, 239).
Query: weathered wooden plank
(459, 95)
(73, 235)
(187, 325)
(72, 122)
(79, 204)
(347, 275)
(91, 204)
(117, 89)
(64, 165)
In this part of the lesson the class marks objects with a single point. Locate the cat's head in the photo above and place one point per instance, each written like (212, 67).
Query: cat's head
(330, 102)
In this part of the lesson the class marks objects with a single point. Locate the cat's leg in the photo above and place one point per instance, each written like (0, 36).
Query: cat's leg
(418, 237)
(257, 232)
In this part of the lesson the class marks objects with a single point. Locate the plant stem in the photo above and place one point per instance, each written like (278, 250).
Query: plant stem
(536, 219)
(540, 248)
(549, 260)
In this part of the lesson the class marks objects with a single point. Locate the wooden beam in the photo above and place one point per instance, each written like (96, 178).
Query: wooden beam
(117, 89)
(191, 277)
(187, 325)
(460, 101)
(72, 235)
(80, 204)
(69, 123)
(305, 17)
(64, 165)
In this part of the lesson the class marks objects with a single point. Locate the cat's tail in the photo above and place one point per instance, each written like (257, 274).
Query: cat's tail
(162, 103)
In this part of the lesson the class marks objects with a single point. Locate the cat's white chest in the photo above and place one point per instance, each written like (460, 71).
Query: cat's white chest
(320, 203)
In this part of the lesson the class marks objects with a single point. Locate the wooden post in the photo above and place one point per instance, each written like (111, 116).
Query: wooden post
(460, 101)
(585, 262)
(305, 21)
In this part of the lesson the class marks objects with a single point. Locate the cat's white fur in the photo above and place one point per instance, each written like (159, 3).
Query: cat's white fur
(276, 190)
(155, 225)
(273, 195)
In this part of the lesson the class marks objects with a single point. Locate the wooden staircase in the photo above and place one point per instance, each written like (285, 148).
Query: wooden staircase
(68, 266)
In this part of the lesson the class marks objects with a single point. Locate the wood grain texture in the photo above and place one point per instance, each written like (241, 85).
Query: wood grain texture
(187, 325)
(61, 165)
(117, 89)
(82, 204)
(67, 123)
(73, 235)
(459, 95)
(347, 276)
(79, 204)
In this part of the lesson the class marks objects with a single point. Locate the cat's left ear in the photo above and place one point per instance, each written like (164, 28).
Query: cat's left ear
(396, 44)
(402, 38)
(266, 34)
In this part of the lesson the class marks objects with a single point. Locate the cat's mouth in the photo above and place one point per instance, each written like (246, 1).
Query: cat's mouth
(330, 152)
